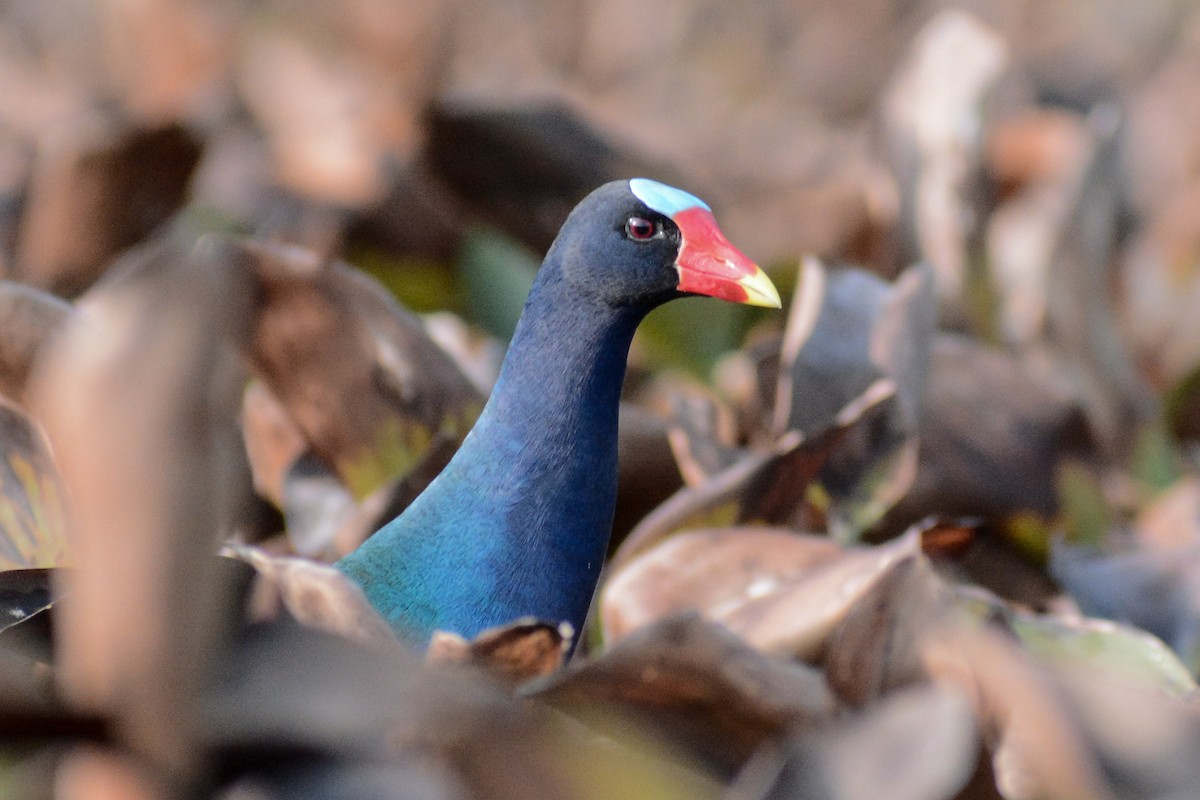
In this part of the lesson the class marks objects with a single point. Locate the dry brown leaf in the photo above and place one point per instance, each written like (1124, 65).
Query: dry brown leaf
(763, 484)
(933, 122)
(100, 186)
(164, 56)
(702, 436)
(320, 515)
(339, 120)
(706, 571)
(1087, 349)
(789, 608)
(91, 773)
(1037, 157)
(918, 744)
(648, 472)
(825, 356)
(1038, 748)
(1034, 146)
(1073, 724)
(1149, 737)
(877, 647)
(289, 689)
(27, 699)
(355, 371)
(139, 397)
(315, 595)
(797, 618)
(524, 166)
(689, 503)
(776, 494)
(1160, 286)
(1171, 522)
(695, 685)
(992, 431)
(513, 653)
(282, 685)
(848, 329)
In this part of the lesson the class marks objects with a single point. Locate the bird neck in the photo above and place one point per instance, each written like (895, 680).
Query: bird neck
(565, 366)
(518, 522)
(552, 417)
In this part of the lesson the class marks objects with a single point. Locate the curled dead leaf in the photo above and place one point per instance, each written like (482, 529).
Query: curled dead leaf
(798, 617)
(789, 596)
(847, 331)
(763, 484)
(513, 653)
(367, 388)
(315, 595)
(1038, 751)
(876, 648)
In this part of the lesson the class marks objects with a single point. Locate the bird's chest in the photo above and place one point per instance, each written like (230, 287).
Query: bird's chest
(570, 493)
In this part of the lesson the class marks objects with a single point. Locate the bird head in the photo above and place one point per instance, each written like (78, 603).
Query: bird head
(640, 242)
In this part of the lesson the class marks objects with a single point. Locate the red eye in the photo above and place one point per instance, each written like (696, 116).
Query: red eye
(640, 229)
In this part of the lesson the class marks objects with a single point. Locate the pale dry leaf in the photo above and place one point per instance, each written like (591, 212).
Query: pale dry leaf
(316, 595)
(139, 398)
(918, 744)
(706, 571)
(933, 117)
(273, 442)
(766, 483)
(787, 595)
(797, 618)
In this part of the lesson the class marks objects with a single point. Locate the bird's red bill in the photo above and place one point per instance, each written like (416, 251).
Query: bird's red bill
(708, 264)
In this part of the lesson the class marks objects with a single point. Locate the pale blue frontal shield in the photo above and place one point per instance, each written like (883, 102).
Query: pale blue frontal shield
(666, 200)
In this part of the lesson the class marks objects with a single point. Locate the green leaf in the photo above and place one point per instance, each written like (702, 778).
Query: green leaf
(1087, 518)
(1122, 648)
(1156, 461)
(495, 274)
(1181, 398)
(422, 286)
(694, 332)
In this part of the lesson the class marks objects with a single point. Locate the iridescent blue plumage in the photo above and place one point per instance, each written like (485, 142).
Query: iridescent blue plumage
(518, 522)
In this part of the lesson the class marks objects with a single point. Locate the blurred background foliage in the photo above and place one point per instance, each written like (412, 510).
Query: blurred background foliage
(259, 261)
